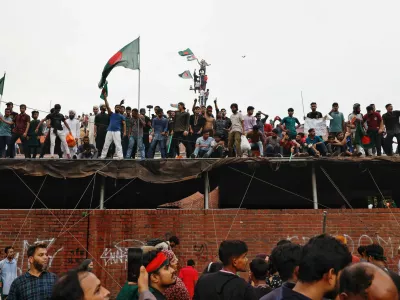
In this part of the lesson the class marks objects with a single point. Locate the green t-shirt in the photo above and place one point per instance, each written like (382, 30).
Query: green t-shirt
(290, 123)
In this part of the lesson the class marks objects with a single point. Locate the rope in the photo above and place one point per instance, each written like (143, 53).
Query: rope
(244, 196)
(335, 186)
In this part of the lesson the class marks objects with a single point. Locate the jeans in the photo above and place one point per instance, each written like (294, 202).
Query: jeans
(11, 145)
(260, 147)
(234, 139)
(146, 143)
(125, 144)
(218, 152)
(320, 147)
(389, 142)
(157, 139)
(271, 150)
(4, 141)
(132, 141)
(203, 152)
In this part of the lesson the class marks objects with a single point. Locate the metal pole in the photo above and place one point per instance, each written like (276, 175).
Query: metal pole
(314, 187)
(102, 191)
(324, 222)
(206, 190)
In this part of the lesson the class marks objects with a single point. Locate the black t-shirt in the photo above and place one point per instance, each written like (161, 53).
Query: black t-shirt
(146, 128)
(102, 121)
(199, 123)
(314, 115)
(392, 121)
(56, 119)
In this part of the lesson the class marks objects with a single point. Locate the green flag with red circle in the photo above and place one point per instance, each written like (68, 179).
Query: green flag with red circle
(127, 57)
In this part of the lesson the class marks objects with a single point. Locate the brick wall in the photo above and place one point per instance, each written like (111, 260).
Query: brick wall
(107, 234)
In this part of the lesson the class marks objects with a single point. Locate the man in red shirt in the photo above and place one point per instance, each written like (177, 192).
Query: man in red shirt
(20, 131)
(189, 276)
(375, 128)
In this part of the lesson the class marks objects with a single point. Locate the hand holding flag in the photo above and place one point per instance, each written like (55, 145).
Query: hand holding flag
(104, 91)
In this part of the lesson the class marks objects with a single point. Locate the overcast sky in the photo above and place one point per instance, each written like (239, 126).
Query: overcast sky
(344, 51)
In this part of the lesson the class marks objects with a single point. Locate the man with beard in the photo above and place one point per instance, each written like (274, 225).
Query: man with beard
(355, 118)
(128, 122)
(146, 130)
(196, 122)
(57, 130)
(314, 114)
(114, 130)
(366, 281)
(75, 127)
(101, 122)
(33, 137)
(91, 125)
(391, 120)
(272, 147)
(161, 276)
(322, 260)
(86, 150)
(6, 123)
(37, 283)
(136, 134)
(8, 267)
(180, 131)
(226, 284)
(159, 134)
(236, 131)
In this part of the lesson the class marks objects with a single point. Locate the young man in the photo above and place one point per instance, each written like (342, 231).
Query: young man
(256, 140)
(114, 130)
(258, 274)
(249, 120)
(355, 118)
(78, 284)
(20, 131)
(322, 260)
(261, 121)
(57, 130)
(301, 140)
(288, 124)
(218, 146)
(286, 259)
(314, 114)
(272, 147)
(159, 134)
(180, 131)
(203, 146)
(225, 284)
(391, 120)
(6, 122)
(86, 150)
(91, 122)
(146, 131)
(189, 276)
(37, 283)
(128, 122)
(136, 134)
(337, 124)
(339, 146)
(196, 122)
(235, 131)
(75, 128)
(209, 121)
(289, 146)
(13, 114)
(375, 128)
(316, 145)
(34, 138)
(8, 268)
(375, 256)
(160, 274)
(101, 122)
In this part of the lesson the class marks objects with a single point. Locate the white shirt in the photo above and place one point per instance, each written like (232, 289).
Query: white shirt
(8, 274)
(75, 127)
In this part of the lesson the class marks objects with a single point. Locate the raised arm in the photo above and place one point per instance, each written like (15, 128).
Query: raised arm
(107, 105)
(39, 125)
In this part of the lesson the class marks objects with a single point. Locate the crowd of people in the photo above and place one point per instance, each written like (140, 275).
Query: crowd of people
(128, 133)
(323, 268)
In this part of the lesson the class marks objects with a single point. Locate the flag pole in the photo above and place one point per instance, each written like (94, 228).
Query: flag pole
(138, 121)
(2, 92)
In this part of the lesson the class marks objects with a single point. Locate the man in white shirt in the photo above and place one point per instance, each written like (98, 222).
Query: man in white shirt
(8, 268)
(91, 126)
(249, 120)
(75, 127)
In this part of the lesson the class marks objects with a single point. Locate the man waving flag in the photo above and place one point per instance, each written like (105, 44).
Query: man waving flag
(127, 57)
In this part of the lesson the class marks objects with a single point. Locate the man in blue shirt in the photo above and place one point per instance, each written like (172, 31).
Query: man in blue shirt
(160, 131)
(8, 267)
(203, 146)
(114, 130)
(37, 283)
(316, 145)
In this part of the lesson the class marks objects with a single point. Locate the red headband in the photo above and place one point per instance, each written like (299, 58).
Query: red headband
(156, 263)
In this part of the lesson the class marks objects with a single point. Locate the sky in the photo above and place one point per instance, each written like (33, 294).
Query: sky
(332, 51)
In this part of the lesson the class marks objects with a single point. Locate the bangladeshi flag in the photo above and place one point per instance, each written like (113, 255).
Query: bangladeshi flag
(367, 140)
(127, 57)
(185, 52)
(186, 75)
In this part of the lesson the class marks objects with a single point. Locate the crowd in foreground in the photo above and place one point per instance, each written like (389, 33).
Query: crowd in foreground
(128, 133)
(323, 268)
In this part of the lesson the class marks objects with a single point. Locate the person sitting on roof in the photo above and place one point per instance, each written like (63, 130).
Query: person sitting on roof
(86, 150)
